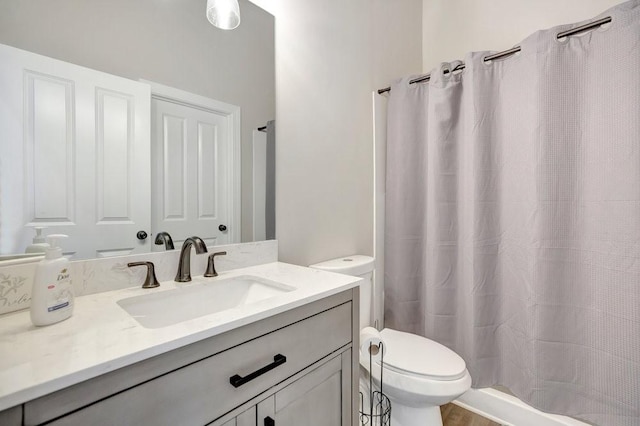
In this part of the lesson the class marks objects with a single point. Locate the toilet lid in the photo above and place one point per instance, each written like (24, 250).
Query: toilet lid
(418, 355)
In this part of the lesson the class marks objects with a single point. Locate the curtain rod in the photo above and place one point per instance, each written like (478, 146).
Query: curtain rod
(513, 50)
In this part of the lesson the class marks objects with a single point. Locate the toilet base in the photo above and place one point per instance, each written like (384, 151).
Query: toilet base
(402, 415)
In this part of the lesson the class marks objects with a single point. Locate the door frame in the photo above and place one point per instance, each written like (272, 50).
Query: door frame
(233, 116)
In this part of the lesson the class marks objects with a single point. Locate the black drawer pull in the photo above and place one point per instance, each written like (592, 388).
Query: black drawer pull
(268, 421)
(237, 380)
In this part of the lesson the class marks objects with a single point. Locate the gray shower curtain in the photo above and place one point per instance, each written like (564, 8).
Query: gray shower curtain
(513, 218)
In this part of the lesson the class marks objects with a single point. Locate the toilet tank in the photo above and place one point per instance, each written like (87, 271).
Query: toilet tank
(359, 266)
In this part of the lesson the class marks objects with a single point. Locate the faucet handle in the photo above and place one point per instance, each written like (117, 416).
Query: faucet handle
(211, 268)
(164, 238)
(150, 281)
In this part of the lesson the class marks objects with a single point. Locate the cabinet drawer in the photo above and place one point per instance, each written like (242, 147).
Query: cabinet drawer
(201, 392)
(11, 417)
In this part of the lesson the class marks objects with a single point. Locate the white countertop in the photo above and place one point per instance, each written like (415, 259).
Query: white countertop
(101, 337)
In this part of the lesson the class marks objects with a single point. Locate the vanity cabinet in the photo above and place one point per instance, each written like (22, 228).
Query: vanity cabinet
(317, 397)
(11, 417)
(293, 365)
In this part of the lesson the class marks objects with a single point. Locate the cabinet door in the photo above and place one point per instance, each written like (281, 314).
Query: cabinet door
(320, 398)
(247, 418)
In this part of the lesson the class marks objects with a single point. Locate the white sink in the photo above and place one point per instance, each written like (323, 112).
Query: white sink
(202, 297)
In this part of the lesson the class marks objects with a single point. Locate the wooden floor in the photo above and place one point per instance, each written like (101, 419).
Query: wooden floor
(452, 415)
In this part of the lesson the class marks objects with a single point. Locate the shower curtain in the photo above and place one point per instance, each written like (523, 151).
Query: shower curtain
(513, 218)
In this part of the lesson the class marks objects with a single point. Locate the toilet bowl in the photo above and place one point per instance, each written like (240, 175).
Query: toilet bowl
(418, 374)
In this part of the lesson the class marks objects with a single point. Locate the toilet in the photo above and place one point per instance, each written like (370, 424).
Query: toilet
(419, 374)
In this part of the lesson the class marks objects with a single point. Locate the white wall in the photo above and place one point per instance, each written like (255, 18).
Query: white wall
(451, 28)
(330, 56)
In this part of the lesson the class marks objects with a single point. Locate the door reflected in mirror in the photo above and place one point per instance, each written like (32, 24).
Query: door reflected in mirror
(91, 148)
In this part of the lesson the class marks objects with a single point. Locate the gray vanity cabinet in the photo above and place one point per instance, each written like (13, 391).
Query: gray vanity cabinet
(286, 367)
(11, 417)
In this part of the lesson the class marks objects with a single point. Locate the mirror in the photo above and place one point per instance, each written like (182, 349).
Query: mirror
(171, 44)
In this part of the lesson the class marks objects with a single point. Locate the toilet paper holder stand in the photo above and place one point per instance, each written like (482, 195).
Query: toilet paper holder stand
(376, 410)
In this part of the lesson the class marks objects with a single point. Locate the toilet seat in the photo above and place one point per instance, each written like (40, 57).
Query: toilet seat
(415, 355)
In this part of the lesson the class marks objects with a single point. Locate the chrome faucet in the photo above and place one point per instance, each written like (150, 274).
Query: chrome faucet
(184, 264)
(164, 238)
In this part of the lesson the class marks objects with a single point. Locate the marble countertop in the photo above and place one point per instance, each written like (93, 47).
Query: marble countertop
(101, 337)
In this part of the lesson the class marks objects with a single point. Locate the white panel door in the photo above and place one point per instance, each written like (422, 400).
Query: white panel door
(191, 168)
(74, 156)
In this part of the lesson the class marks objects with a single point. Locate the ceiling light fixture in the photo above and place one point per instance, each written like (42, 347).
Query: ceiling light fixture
(224, 14)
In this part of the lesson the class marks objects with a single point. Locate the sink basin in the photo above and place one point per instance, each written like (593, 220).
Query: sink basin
(203, 296)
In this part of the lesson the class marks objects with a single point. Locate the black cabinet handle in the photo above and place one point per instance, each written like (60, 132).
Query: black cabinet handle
(268, 421)
(222, 228)
(237, 380)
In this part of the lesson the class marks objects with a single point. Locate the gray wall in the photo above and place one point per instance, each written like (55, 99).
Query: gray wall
(165, 41)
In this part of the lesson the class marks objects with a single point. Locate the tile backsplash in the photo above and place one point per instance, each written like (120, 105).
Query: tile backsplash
(99, 275)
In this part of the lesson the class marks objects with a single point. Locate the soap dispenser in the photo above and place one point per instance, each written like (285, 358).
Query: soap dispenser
(39, 245)
(52, 294)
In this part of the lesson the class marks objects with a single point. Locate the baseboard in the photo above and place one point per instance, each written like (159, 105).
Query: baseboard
(510, 411)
